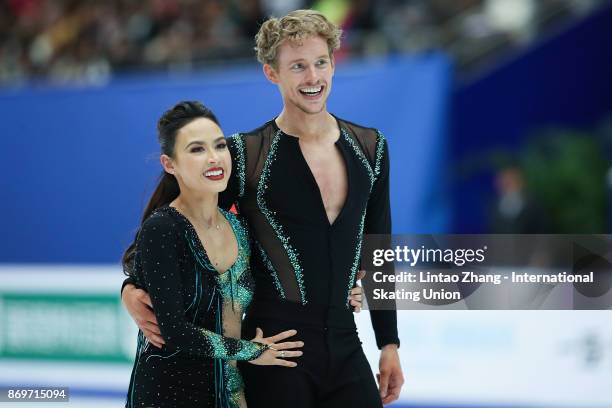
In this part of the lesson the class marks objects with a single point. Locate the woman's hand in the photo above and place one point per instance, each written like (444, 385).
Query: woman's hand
(356, 294)
(277, 351)
(138, 304)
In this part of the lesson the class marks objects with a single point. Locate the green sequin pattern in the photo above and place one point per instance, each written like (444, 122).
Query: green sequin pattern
(247, 350)
(230, 281)
(360, 155)
(271, 269)
(240, 162)
(262, 187)
(380, 149)
(373, 173)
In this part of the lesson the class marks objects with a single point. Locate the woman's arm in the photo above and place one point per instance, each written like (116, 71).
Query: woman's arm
(157, 245)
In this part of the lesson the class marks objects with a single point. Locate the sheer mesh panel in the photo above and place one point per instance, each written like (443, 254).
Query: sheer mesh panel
(365, 137)
(257, 148)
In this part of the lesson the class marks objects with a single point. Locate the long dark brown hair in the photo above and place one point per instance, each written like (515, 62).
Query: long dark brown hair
(167, 188)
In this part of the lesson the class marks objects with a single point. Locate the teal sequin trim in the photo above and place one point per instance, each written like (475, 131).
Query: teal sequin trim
(272, 270)
(229, 281)
(380, 150)
(360, 155)
(355, 265)
(234, 384)
(240, 163)
(262, 187)
(373, 173)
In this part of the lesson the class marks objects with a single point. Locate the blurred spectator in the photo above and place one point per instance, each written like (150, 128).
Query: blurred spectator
(71, 41)
(515, 211)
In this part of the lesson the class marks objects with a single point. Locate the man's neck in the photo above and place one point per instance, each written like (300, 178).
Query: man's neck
(308, 127)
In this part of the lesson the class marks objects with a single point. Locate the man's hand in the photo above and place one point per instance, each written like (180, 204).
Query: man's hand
(391, 378)
(355, 298)
(138, 304)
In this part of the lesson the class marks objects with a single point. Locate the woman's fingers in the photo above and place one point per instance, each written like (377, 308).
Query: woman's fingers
(259, 336)
(288, 345)
(361, 274)
(288, 353)
(284, 363)
(281, 336)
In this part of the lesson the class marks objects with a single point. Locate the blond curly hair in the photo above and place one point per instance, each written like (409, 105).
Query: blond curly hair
(295, 27)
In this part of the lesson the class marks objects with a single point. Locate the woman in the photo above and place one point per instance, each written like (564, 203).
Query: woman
(193, 259)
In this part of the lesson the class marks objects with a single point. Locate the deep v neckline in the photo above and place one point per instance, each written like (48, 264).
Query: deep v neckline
(313, 181)
(200, 245)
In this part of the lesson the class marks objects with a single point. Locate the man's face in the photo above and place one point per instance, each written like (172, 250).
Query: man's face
(303, 73)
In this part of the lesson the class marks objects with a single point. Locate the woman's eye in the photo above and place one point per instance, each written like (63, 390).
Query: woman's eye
(197, 149)
(221, 146)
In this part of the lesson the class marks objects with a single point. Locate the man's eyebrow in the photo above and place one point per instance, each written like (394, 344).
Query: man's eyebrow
(323, 56)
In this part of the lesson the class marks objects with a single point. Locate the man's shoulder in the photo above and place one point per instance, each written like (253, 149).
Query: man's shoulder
(365, 134)
(265, 129)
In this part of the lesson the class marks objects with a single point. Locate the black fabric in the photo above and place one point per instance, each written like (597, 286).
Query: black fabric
(333, 371)
(278, 196)
(187, 296)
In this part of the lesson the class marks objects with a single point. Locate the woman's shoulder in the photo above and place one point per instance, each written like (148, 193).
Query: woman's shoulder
(163, 220)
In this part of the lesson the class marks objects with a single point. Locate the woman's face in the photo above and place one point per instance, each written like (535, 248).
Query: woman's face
(201, 162)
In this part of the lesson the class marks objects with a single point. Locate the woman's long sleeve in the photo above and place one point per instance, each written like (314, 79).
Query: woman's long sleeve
(157, 248)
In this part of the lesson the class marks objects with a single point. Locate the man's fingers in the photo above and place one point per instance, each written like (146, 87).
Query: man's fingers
(154, 338)
(356, 291)
(156, 344)
(150, 327)
(288, 345)
(145, 315)
(144, 297)
(282, 336)
(356, 305)
(357, 298)
(361, 274)
(383, 384)
(393, 393)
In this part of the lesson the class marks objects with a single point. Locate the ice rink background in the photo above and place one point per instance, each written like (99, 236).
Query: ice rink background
(80, 161)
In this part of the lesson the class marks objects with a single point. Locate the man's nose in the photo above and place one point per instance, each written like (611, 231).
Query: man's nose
(311, 74)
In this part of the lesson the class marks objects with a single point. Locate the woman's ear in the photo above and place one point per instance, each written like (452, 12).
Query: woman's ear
(167, 163)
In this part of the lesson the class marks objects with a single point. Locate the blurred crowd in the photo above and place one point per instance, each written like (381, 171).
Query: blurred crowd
(87, 41)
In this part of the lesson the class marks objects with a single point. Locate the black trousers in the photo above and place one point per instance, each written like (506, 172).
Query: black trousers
(333, 372)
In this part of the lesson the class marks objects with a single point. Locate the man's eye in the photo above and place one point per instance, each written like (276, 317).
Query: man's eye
(321, 62)
(296, 67)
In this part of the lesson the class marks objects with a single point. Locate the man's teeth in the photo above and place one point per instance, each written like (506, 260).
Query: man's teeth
(213, 173)
(313, 90)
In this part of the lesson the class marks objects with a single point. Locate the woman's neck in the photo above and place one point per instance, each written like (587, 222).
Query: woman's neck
(201, 209)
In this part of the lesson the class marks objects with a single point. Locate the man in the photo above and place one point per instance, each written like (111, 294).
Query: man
(309, 185)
